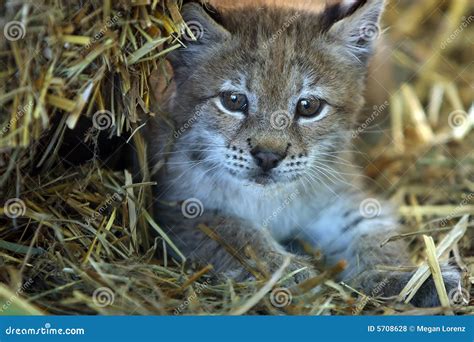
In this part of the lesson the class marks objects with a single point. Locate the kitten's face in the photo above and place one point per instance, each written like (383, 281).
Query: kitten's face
(273, 98)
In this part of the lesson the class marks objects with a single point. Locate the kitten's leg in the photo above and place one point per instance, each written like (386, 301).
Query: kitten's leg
(353, 228)
(228, 249)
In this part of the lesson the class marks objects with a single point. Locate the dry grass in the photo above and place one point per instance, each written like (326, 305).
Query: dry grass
(77, 240)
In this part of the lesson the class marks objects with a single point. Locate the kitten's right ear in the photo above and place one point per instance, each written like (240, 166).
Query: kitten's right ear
(355, 23)
(206, 31)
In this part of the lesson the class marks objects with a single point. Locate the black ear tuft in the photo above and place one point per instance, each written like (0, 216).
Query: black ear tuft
(202, 32)
(338, 11)
(355, 24)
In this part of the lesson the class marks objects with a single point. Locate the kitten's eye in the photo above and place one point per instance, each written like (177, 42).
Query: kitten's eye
(234, 102)
(309, 107)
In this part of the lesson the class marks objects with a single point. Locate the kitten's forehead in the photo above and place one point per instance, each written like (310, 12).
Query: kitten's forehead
(270, 23)
(299, 82)
(273, 45)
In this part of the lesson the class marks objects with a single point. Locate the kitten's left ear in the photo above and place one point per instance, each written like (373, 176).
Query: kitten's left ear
(205, 30)
(356, 24)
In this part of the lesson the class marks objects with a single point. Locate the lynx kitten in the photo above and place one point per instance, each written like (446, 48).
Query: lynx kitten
(262, 107)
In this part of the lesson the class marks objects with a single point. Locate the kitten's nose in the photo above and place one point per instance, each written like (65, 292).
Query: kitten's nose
(267, 160)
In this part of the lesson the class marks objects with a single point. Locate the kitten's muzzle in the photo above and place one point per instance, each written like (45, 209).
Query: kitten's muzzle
(266, 159)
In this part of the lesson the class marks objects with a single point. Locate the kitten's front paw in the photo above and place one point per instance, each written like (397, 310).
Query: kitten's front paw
(427, 295)
(383, 284)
